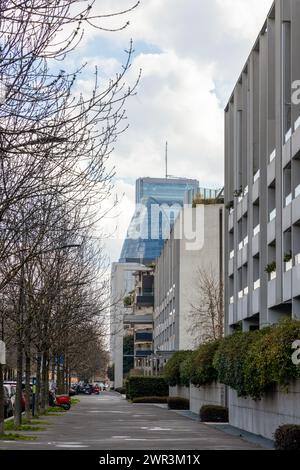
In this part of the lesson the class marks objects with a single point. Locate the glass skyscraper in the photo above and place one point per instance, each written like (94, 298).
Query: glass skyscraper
(158, 202)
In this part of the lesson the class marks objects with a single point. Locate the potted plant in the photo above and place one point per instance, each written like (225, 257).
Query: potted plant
(271, 267)
(229, 205)
(288, 256)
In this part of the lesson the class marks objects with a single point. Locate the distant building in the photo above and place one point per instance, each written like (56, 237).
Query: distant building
(176, 281)
(138, 318)
(121, 285)
(158, 202)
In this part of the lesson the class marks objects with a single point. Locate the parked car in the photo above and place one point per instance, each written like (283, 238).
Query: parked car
(11, 386)
(96, 389)
(8, 408)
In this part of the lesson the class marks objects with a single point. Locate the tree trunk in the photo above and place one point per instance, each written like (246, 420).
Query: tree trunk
(1, 401)
(38, 385)
(27, 385)
(18, 403)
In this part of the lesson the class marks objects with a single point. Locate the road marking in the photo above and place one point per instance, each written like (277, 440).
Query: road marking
(70, 446)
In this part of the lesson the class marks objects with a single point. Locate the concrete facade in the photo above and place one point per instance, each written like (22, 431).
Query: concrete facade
(264, 416)
(177, 277)
(212, 394)
(262, 178)
(262, 195)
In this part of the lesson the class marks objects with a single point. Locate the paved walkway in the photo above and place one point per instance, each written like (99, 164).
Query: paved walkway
(108, 422)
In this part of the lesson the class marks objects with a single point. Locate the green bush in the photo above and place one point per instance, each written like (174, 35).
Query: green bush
(140, 386)
(161, 400)
(203, 371)
(268, 362)
(178, 403)
(172, 368)
(287, 437)
(186, 369)
(230, 359)
(213, 414)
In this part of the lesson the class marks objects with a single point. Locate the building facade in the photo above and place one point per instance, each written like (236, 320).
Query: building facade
(262, 178)
(138, 319)
(262, 195)
(176, 292)
(122, 283)
(158, 202)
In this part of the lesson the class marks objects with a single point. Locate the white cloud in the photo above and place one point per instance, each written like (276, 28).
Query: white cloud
(203, 44)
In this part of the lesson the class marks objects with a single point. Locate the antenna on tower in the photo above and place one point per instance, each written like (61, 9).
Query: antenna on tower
(166, 156)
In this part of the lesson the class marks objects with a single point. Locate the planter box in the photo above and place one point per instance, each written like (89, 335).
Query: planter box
(263, 417)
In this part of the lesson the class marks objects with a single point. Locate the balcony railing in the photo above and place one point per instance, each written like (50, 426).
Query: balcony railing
(288, 265)
(241, 294)
(231, 300)
(145, 300)
(297, 259)
(297, 191)
(288, 200)
(273, 275)
(272, 156)
(144, 337)
(297, 123)
(143, 352)
(256, 230)
(231, 256)
(272, 215)
(256, 284)
(288, 135)
(256, 176)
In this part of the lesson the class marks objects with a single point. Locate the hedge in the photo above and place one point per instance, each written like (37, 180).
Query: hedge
(172, 368)
(213, 414)
(287, 437)
(252, 363)
(178, 403)
(230, 359)
(141, 386)
(203, 371)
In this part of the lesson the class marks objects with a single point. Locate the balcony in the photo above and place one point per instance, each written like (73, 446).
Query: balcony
(143, 352)
(145, 300)
(138, 319)
(143, 337)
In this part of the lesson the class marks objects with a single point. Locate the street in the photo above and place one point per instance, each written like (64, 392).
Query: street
(108, 422)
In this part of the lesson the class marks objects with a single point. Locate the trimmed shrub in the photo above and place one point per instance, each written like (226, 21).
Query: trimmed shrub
(121, 390)
(141, 386)
(186, 369)
(213, 414)
(287, 437)
(161, 400)
(230, 358)
(268, 362)
(172, 368)
(178, 403)
(203, 371)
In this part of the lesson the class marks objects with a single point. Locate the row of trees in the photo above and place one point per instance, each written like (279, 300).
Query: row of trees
(54, 179)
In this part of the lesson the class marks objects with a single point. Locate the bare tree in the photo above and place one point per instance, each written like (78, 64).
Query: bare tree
(207, 315)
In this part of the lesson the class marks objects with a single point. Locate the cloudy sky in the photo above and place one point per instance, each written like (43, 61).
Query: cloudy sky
(191, 53)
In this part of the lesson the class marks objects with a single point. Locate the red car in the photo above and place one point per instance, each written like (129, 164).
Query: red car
(96, 389)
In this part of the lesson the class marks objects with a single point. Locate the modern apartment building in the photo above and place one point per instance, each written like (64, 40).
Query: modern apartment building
(262, 194)
(138, 319)
(262, 178)
(121, 284)
(176, 291)
(158, 202)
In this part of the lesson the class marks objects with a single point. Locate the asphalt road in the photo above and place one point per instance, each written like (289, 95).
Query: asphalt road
(108, 422)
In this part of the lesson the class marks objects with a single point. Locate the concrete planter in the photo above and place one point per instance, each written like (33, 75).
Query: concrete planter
(213, 394)
(263, 417)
